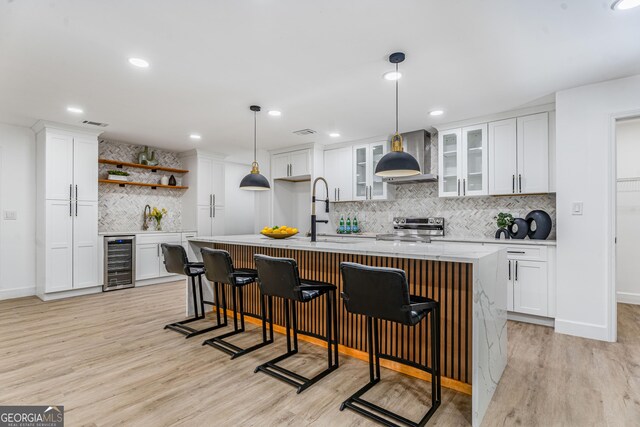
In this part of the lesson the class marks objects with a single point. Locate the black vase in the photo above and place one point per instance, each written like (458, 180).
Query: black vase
(502, 231)
(539, 223)
(521, 229)
(172, 181)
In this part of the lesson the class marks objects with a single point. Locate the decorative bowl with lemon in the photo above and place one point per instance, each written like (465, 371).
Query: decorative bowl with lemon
(279, 232)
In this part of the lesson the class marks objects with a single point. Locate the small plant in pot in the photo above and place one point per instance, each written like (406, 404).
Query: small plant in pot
(116, 175)
(504, 221)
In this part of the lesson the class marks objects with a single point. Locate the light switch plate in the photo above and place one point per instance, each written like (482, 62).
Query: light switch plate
(10, 215)
(576, 208)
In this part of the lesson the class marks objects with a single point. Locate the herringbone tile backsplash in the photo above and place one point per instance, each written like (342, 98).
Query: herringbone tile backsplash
(121, 208)
(464, 217)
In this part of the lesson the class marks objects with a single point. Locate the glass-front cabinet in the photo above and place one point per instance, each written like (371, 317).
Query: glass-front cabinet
(366, 185)
(463, 161)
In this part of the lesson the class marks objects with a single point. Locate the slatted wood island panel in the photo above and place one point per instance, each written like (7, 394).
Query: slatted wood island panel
(447, 282)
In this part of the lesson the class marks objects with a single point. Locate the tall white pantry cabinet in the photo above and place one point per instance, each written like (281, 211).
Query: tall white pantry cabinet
(67, 209)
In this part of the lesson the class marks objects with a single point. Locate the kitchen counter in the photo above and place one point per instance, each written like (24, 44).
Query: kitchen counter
(457, 239)
(437, 251)
(469, 282)
(129, 233)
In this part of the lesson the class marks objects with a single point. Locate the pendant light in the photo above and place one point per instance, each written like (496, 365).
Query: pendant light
(255, 181)
(397, 162)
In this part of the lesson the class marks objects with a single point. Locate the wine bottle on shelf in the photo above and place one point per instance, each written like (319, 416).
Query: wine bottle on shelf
(348, 227)
(341, 226)
(355, 228)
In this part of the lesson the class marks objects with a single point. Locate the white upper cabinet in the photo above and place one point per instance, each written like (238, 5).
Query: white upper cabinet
(502, 156)
(338, 171)
(85, 173)
(58, 157)
(533, 153)
(366, 184)
(210, 183)
(463, 161)
(519, 155)
(474, 161)
(295, 164)
(449, 163)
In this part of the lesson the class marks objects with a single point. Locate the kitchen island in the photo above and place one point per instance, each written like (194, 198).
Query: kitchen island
(468, 281)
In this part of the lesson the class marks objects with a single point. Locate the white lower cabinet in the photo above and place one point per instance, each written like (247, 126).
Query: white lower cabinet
(531, 280)
(149, 258)
(85, 245)
(530, 287)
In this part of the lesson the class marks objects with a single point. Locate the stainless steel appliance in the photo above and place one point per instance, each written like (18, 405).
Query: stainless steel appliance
(414, 229)
(418, 144)
(119, 262)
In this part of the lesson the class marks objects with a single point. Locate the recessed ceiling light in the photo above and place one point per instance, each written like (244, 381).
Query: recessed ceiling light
(275, 113)
(195, 136)
(436, 112)
(334, 134)
(139, 62)
(392, 75)
(75, 110)
(625, 4)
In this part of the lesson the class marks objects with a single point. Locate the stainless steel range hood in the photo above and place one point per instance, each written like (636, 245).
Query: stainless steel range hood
(418, 144)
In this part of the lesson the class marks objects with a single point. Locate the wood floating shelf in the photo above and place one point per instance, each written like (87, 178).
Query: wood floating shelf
(155, 168)
(142, 184)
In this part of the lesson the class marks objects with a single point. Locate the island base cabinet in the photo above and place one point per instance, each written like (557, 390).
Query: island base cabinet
(530, 287)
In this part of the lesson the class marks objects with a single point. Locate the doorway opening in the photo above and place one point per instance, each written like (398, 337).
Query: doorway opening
(627, 208)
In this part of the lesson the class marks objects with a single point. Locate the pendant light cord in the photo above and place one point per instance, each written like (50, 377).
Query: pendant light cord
(255, 136)
(397, 97)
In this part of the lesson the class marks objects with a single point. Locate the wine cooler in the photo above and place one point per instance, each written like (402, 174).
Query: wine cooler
(119, 262)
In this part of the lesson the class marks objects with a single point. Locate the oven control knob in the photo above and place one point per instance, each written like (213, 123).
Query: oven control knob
(403, 220)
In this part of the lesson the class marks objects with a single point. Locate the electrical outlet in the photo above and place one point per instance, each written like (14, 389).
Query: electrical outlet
(576, 208)
(10, 215)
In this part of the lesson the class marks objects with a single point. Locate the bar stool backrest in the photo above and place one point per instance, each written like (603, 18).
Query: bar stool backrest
(175, 258)
(218, 265)
(376, 291)
(278, 277)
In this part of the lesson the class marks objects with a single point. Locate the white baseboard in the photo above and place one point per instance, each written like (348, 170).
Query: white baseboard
(68, 294)
(582, 329)
(160, 280)
(17, 292)
(628, 297)
(529, 318)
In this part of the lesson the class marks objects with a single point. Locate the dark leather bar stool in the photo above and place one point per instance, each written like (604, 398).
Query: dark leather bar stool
(218, 268)
(176, 261)
(278, 277)
(383, 293)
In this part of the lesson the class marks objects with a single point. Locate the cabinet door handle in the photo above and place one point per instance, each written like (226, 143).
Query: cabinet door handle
(516, 252)
(70, 197)
(76, 200)
(213, 200)
(516, 271)
(338, 194)
(513, 184)
(458, 187)
(509, 269)
(464, 186)
(520, 183)
(158, 250)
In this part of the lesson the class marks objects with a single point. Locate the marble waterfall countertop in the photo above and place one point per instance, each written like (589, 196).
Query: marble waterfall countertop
(438, 251)
(489, 299)
(459, 239)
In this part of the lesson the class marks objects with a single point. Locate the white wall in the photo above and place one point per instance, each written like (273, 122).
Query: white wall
(585, 117)
(628, 210)
(17, 193)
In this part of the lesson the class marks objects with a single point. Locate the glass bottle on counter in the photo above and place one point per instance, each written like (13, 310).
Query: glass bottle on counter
(348, 227)
(355, 228)
(341, 226)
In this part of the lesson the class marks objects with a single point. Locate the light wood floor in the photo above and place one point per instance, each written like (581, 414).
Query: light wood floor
(107, 359)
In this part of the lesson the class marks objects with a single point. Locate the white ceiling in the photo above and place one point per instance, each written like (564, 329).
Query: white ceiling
(319, 62)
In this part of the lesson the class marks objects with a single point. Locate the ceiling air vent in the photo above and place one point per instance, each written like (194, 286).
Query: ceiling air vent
(89, 122)
(303, 132)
